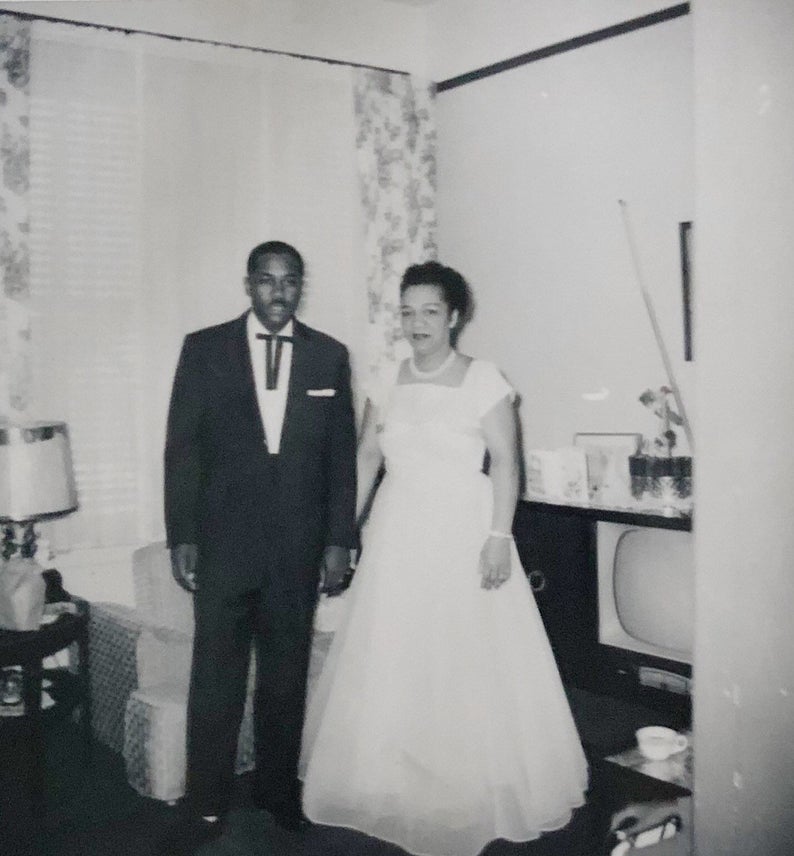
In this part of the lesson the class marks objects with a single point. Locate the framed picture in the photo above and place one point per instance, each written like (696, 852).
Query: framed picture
(685, 242)
(557, 475)
(608, 478)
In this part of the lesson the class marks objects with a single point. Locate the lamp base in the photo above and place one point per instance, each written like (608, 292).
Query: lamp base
(22, 594)
(19, 539)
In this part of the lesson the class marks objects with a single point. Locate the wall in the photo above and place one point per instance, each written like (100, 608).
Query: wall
(533, 163)
(744, 646)
(433, 39)
(507, 28)
(744, 214)
(387, 34)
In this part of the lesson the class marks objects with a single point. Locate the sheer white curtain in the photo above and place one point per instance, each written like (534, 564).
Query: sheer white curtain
(155, 167)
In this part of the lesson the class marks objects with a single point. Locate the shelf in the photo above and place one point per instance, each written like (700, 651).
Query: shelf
(61, 690)
(633, 517)
(64, 691)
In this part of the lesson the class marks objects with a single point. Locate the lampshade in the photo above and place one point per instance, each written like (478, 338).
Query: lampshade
(36, 477)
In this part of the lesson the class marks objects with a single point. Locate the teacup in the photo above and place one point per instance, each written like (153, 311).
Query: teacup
(657, 742)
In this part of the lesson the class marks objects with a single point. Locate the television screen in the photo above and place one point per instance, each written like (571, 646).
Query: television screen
(646, 590)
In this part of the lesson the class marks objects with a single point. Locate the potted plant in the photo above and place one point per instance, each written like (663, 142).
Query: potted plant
(657, 470)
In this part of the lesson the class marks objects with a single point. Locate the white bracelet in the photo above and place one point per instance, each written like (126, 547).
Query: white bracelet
(495, 534)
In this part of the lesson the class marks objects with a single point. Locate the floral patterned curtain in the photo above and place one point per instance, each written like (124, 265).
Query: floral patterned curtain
(14, 220)
(396, 151)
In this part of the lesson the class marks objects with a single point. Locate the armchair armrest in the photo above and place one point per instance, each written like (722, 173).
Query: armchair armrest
(127, 654)
(163, 656)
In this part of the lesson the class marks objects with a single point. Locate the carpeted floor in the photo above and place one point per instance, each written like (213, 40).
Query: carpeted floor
(89, 810)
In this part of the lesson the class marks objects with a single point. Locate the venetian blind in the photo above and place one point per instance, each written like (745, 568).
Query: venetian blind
(156, 167)
(84, 278)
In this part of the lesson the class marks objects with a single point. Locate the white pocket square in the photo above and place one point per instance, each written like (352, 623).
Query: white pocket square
(321, 393)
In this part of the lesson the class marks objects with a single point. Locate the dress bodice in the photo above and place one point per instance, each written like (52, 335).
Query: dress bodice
(426, 427)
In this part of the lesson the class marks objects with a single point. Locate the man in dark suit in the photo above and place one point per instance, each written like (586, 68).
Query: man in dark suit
(259, 507)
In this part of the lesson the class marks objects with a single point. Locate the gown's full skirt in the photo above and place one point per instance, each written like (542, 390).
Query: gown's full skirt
(439, 722)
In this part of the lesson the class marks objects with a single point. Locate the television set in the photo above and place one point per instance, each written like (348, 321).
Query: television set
(646, 600)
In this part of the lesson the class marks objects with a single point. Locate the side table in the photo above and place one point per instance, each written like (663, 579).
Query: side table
(69, 690)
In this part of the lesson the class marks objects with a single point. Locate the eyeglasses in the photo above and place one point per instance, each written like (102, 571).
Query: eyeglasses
(621, 840)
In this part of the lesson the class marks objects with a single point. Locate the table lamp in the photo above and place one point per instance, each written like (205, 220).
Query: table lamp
(36, 483)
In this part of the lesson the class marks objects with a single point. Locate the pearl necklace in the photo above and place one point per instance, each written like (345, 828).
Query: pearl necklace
(425, 375)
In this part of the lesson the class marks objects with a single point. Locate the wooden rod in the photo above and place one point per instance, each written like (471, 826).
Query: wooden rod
(657, 331)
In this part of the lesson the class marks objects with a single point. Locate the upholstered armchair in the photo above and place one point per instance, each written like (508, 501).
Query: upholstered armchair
(140, 672)
(140, 668)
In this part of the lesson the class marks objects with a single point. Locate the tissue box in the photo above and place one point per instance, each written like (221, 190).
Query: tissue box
(608, 477)
(557, 474)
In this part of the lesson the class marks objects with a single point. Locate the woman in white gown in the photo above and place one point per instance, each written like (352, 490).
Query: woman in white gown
(439, 722)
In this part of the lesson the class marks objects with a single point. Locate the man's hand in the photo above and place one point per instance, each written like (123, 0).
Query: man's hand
(184, 560)
(334, 569)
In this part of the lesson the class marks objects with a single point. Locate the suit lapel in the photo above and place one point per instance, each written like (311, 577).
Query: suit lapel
(298, 380)
(240, 357)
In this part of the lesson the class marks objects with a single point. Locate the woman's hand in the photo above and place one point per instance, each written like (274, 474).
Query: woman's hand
(499, 428)
(495, 562)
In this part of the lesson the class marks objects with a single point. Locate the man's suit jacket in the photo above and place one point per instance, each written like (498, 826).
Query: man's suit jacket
(259, 518)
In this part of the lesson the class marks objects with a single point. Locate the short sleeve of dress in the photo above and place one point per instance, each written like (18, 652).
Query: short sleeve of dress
(489, 386)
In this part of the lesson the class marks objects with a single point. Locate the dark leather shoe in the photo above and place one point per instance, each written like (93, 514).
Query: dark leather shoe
(189, 833)
(285, 813)
(283, 804)
(291, 819)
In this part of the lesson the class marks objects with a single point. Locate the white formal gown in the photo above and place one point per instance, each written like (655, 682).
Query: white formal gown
(439, 722)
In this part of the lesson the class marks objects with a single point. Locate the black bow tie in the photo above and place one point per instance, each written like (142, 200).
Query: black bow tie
(272, 363)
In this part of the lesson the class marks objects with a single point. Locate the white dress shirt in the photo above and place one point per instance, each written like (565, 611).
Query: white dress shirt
(272, 402)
